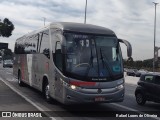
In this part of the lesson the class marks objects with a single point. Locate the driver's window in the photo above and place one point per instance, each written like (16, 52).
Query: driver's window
(58, 55)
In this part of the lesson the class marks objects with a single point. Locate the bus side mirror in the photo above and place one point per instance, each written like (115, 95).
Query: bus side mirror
(129, 48)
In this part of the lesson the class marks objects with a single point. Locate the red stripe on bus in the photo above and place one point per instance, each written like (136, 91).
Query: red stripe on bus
(47, 66)
(77, 83)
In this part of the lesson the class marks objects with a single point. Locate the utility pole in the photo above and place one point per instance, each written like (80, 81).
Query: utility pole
(155, 4)
(44, 19)
(85, 17)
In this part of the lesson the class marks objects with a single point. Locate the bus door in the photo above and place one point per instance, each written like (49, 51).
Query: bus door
(58, 62)
(35, 71)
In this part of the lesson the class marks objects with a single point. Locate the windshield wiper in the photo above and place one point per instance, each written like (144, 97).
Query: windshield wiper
(105, 63)
(90, 63)
(102, 57)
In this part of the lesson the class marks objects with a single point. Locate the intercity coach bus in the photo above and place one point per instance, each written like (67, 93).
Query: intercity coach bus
(72, 63)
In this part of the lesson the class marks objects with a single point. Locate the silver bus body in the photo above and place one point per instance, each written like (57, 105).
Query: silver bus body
(72, 63)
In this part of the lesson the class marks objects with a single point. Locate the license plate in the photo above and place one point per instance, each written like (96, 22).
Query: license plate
(98, 99)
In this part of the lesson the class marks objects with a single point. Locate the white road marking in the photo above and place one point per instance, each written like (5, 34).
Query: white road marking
(13, 79)
(28, 100)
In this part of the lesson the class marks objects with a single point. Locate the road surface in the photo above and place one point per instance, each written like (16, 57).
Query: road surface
(26, 99)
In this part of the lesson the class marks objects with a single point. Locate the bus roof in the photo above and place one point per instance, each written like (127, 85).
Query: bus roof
(83, 28)
(74, 27)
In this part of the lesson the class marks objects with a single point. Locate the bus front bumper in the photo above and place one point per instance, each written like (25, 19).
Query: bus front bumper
(73, 96)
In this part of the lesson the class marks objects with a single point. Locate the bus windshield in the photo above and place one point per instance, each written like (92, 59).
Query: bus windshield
(95, 57)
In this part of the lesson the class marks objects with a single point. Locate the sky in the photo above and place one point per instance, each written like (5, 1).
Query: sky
(132, 20)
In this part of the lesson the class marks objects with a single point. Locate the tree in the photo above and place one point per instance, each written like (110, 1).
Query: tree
(6, 28)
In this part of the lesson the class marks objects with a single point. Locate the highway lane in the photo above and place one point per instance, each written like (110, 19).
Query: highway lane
(11, 101)
(66, 112)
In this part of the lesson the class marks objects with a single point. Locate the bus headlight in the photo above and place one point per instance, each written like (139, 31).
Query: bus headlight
(120, 87)
(73, 87)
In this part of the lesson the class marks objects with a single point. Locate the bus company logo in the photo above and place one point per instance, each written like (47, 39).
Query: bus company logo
(99, 91)
(6, 114)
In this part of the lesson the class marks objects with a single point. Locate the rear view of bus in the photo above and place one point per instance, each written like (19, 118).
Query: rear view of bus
(89, 64)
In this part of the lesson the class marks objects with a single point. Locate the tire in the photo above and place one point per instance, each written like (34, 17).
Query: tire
(46, 92)
(20, 83)
(140, 99)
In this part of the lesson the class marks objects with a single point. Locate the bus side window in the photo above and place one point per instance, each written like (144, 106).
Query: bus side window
(58, 55)
(44, 45)
(19, 47)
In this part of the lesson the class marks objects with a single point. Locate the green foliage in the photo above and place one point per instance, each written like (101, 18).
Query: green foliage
(145, 64)
(6, 28)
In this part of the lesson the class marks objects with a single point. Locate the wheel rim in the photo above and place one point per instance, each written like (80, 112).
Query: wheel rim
(47, 92)
(139, 98)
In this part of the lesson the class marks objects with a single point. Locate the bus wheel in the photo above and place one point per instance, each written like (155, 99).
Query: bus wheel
(20, 83)
(46, 92)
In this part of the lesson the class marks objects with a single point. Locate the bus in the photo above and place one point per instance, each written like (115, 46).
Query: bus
(72, 63)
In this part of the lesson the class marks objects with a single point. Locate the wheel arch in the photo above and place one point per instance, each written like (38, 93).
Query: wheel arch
(19, 72)
(44, 81)
(140, 90)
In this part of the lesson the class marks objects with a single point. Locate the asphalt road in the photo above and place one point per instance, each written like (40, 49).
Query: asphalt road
(15, 98)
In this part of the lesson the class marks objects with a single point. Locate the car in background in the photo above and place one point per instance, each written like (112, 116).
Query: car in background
(7, 63)
(140, 72)
(131, 72)
(148, 88)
